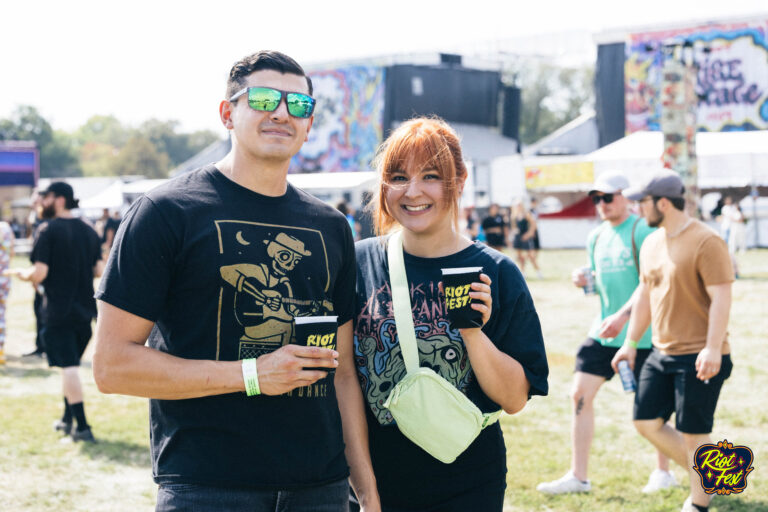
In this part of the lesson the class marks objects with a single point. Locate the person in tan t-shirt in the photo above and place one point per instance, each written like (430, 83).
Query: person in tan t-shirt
(685, 291)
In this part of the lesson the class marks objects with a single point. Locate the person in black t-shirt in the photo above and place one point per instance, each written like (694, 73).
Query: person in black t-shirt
(111, 224)
(67, 256)
(212, 268)
(498, 366)
(495, 228)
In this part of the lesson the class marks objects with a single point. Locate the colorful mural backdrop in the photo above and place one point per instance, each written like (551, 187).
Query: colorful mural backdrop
(731, 83)
(348, 120)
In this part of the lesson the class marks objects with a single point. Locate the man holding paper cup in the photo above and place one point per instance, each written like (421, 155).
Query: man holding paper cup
(212, 269)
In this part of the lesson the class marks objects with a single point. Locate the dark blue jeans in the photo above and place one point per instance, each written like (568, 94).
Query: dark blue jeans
(331, 497)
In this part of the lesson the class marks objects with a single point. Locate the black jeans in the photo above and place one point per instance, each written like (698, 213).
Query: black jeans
(331, 497)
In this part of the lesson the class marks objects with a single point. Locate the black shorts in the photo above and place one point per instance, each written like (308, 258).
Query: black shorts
(668, 384)
(522, 245)
(65, 343)
(595, 359)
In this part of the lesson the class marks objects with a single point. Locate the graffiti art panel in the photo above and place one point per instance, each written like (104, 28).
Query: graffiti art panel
(348, 120)
(731, 62)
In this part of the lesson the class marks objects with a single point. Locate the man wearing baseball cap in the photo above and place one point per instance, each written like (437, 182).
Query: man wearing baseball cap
(685, 293)
(612, 254)
(66, 257)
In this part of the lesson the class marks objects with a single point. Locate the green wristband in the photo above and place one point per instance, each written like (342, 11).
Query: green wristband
(631, 343)
(251, 377)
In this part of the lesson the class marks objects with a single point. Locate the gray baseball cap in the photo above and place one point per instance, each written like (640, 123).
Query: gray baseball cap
(664, 183)
(609, 183)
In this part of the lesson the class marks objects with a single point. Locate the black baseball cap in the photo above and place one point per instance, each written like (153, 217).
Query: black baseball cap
(62, 189)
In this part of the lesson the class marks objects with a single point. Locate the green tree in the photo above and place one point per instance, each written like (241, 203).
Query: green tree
(178, 146)
(140, 157)
(57, 154)
(104, 130)
(58, 159)
(551, 96)
(98, 159)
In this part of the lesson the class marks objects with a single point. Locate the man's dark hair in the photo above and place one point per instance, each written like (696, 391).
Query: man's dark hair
(265, 59)
(677, 202)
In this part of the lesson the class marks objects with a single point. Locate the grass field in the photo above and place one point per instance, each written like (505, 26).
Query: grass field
(40, 473)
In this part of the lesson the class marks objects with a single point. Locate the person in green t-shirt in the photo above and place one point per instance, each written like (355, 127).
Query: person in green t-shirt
(613, 250)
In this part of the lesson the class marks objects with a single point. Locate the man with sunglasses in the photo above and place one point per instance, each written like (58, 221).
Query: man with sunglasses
(612, 252)
(212, 268)
(685, 292)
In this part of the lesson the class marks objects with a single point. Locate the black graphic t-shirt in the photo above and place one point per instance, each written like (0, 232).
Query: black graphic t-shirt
(70, 248)
(406, 475)
(222, 271)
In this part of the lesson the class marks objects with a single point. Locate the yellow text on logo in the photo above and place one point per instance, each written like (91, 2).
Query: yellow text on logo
(322, 340)
(457, 296)
(722, 467)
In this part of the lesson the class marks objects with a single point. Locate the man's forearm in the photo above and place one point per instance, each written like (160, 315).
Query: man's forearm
(626, 309)
(640, 317)
(137, 370)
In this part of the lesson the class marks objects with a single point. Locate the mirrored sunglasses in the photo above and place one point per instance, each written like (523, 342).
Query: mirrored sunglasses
(266, 99)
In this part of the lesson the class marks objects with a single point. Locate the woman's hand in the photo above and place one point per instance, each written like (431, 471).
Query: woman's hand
(482, 292)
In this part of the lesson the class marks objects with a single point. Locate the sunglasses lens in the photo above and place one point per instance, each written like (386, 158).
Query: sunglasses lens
(264, 98)
(300, 105)
(606, 198)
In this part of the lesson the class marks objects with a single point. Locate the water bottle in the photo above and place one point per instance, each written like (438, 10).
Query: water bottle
(589, 288)
(627, 377)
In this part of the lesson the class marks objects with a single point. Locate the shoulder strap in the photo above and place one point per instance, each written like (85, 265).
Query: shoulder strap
(635, 255)
(401, 303)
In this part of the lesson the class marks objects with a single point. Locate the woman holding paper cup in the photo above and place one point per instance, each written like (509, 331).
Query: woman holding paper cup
(481, 334)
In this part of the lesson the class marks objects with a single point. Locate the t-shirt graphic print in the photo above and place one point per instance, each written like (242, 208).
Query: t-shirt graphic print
(270, 275)
(380, 362)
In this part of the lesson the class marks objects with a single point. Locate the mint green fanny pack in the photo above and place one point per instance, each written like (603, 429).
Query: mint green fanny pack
(428, 409)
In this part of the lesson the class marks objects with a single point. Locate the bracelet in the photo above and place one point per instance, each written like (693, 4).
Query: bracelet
(251, 377)
(631, 343)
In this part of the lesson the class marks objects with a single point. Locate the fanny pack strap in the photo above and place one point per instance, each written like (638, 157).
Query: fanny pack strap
(401, 304)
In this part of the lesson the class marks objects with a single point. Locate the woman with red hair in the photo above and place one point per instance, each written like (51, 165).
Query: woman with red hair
(497, 366)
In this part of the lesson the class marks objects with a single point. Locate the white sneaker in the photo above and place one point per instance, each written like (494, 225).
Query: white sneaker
(688, 506)
(659, 480)
(567, 483)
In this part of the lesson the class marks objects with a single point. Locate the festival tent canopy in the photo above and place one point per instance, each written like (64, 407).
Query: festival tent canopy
(725, 159)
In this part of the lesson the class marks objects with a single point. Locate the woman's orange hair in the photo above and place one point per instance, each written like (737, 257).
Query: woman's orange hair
(420, 143)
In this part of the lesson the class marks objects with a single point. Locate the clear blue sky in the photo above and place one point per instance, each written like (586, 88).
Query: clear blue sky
(169, 59)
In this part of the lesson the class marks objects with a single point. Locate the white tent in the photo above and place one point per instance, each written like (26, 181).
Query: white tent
(331, 187)
(111, 197)
(725, 159)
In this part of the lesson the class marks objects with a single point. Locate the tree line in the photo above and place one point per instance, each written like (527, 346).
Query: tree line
(104, 146)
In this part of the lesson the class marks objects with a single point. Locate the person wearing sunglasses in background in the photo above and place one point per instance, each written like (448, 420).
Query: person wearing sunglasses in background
(613, 255)
(213, 267)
